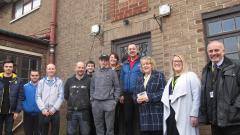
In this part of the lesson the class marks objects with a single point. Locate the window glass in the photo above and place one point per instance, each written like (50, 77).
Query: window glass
(228, 25)
(27, 7)
(237, 19)
(23, 7)
(25, 63)
(233, 56)
(36, 3)
(33, 64)
(231, 44)
(214, 28)
(18, 9)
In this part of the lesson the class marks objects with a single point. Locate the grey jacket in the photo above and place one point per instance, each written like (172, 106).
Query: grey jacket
(105, 85)
(49, 96)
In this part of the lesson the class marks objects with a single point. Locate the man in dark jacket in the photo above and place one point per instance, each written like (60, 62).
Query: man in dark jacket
(76, 92)
(220, 99)
(128, 78)
(11, 96)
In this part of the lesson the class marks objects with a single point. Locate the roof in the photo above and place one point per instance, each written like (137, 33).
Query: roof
(23, 37)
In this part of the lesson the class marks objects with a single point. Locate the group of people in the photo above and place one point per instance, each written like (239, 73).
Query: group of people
(117, 99)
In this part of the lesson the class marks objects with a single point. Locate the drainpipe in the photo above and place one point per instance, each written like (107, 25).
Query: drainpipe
(53, 25)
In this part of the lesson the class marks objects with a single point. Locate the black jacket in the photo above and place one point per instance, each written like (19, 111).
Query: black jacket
(77, 93)
(223, 109)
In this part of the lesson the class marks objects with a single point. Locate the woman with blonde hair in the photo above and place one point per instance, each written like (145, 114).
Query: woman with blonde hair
(148, 95)
(181, 100)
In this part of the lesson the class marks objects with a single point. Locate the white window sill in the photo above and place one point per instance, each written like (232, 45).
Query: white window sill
(12, 21)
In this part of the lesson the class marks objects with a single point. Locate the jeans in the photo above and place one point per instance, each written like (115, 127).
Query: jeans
(78, 118)
(7, 120)
(53, 120)
(31, 123)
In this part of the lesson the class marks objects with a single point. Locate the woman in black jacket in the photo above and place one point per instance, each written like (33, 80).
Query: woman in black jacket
(118, 125)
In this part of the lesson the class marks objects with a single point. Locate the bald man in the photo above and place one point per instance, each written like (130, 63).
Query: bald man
(49, 98)
(220, 99)
(76, 93)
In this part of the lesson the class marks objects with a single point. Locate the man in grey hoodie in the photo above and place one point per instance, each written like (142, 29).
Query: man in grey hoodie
(104, 94)
(49, 98)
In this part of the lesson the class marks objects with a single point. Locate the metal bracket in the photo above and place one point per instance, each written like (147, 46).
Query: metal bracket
(159, 21)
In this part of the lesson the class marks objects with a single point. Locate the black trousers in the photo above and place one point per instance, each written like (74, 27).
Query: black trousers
(31, 123)
(171, 123)
(131, 115)
(53, 121)
(230, 130)
(119, 119)
(152, 132)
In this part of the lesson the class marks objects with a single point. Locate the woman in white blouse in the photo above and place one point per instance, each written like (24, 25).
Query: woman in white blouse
(181, 100)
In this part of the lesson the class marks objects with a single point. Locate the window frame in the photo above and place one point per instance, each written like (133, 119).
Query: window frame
(220, 15)
(23, 3)
(18, 65)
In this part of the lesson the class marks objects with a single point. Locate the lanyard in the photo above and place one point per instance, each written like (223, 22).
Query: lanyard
(174, 82)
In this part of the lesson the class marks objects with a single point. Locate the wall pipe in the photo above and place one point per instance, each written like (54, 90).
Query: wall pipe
(53, 26)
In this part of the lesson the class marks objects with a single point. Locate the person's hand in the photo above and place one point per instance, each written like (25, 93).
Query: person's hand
(121, 99)
(51, 112)
(45, 113)
(194, 121)
(146, 99)
(15, 115)
(140, 100)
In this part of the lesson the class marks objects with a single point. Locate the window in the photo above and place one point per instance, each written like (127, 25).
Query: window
(23, 7)
(224, 25)
(143, 42)
(23, 63)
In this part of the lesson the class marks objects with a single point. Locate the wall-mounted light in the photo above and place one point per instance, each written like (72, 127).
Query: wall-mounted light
(95, 29)
(164, 10)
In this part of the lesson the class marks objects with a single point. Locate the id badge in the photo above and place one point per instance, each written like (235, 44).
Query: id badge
(211, 94)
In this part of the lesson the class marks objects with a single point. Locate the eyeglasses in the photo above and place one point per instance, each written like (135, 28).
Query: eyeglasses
(177, 61)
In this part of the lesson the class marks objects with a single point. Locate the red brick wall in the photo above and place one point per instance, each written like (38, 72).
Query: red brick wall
(121, 9)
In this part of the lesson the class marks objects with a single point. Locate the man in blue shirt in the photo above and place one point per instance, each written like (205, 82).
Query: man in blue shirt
(30, 107)
(128, 79)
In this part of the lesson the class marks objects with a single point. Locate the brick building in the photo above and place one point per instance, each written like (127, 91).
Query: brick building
(188, 28)
(25, 27)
